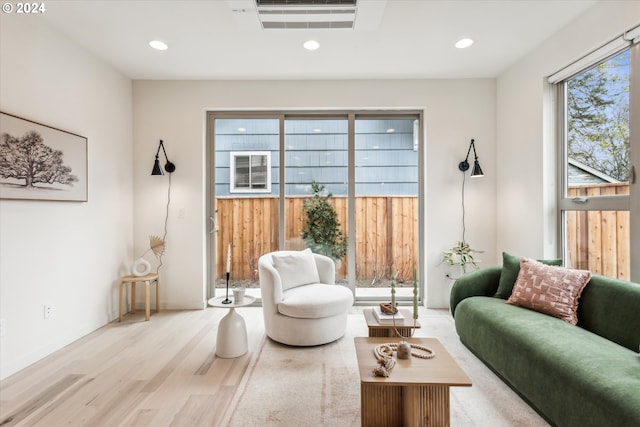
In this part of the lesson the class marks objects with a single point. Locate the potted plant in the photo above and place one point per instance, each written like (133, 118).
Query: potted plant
(461, 254)
(321, 232)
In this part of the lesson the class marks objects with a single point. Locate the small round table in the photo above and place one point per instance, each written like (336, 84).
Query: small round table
(232, 330)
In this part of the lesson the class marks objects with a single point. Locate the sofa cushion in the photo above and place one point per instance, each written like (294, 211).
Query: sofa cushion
(295, 268)
(510, 270)
(549, 289)
(315, 301)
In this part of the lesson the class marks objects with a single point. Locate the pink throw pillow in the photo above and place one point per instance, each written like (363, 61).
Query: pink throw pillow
(549, 289)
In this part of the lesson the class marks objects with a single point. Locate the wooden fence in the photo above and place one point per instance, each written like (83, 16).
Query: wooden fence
(386, 233)
(599, 240)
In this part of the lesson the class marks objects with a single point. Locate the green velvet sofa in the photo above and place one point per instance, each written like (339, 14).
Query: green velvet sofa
(583, 375)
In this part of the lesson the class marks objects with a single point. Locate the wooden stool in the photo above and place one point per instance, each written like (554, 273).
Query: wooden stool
(151, 277)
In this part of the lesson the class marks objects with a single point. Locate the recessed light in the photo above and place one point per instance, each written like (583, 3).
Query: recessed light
(462, 43)
(311, 45)
(158, 45)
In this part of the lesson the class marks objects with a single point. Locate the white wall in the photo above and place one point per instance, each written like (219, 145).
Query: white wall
(526, 149)
(174, 111)
(65, 254)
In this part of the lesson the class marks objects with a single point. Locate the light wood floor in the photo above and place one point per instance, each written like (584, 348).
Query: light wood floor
(158, 373)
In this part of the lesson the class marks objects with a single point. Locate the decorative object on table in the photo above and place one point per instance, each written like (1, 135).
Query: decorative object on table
(142, 267)
(227, 300)
(387, 309)
(238, 295)
(385, 316)
(403, 349)
(386, 362)
(461, 253)
(39, 162)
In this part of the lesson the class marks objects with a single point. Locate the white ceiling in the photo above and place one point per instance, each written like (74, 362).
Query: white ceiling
(222, 39)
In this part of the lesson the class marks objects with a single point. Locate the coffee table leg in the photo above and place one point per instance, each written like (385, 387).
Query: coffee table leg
(380, 406)
(232, 336)
(426, 406)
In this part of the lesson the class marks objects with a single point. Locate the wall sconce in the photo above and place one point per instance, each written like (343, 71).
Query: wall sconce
(169, 167)
(464, 165)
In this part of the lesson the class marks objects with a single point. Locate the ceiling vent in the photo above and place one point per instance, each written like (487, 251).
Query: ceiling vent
(306, 14)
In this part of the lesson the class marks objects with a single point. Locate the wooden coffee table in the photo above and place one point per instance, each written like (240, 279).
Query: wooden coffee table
(377, 329)
(416, 393)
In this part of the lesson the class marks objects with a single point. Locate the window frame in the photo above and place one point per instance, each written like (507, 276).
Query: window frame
(233, 155)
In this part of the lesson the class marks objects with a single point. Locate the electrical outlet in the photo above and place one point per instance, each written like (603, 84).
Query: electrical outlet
(3, 327)
(48, 311)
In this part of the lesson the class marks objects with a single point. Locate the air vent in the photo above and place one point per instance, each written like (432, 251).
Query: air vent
(306, 14)
(305, 2)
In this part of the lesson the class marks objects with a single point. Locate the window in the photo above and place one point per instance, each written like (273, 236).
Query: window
(250, 172)
(597, 198)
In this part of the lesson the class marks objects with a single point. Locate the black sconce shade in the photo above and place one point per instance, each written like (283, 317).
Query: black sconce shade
(464, 165)
(169, 167)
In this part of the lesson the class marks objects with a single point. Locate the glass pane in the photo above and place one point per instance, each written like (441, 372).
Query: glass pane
(247, 220)
(386, 185)
(316, 188)
(258, 171)
(598, 124)
(242, 172)
(598, 241)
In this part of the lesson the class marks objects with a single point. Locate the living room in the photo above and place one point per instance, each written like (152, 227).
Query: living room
(70, 256)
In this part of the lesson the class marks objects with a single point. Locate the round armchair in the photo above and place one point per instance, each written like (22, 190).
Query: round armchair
(301, 304)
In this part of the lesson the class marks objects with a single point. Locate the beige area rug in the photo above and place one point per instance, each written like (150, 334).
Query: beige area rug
(320, 386)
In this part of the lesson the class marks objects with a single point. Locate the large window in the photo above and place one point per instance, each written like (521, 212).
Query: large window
(597, 201)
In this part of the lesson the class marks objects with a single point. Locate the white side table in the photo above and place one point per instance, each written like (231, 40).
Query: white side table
(232, 330)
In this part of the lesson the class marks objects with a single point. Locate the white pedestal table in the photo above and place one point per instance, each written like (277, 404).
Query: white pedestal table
(232, 330)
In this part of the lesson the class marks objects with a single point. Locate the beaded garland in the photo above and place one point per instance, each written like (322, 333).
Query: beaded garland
(384, 355)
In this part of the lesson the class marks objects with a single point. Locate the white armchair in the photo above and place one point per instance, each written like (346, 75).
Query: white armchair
(301, 304)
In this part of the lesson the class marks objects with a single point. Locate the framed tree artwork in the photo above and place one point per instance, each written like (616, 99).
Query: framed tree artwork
(39, 162)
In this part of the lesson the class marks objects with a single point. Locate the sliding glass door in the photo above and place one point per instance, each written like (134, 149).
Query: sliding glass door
(316, 202)
(386, 196)
(343, 184)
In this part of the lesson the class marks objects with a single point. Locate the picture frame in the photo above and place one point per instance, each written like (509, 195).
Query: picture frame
(40, 162)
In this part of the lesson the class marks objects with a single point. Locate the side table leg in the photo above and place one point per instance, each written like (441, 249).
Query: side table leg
(133, 297)
(232, 336)
(147, 303)
(158, 295)
(122, 285)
